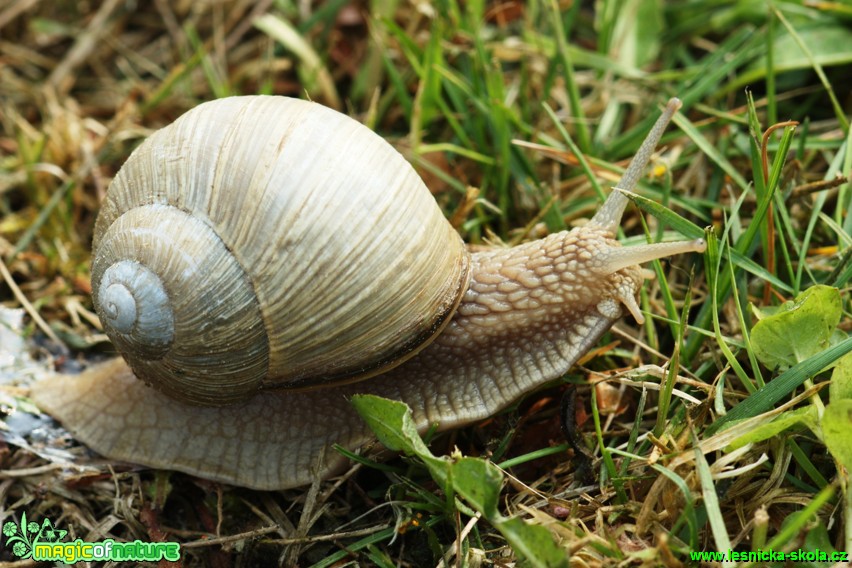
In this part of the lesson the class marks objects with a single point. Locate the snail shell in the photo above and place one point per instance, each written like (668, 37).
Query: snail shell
(317, 252)
(280, 239)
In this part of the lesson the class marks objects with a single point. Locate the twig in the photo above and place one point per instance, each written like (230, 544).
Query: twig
(25, 303)
(813, 187)
(228, 539)
(326, 537)
(460, 539)
(30, 471)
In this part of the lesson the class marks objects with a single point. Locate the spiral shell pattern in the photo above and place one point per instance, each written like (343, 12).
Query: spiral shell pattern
(266, 242)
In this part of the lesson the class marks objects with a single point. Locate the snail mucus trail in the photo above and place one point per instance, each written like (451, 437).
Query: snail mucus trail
(524, 315)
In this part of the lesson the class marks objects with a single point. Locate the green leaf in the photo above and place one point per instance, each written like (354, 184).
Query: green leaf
(836, 432)
(829, 45)
(391, 421)
(817, 538)
(796, 522)
(806, 416)
(479, 482)
(782, 385)
(800, 328)
(638, 28)
(841, 379)
(475, 480)
(532, 542)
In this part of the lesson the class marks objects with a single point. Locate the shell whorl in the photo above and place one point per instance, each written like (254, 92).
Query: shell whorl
(135, 306)
(156, 265)
(265, 242)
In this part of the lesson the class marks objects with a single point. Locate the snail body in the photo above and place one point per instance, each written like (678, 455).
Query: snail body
(327, 270)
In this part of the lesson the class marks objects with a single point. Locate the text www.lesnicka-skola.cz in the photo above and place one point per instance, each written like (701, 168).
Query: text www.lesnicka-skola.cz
(799, 555)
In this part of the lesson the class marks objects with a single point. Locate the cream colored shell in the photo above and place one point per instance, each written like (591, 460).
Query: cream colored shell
(265, 242)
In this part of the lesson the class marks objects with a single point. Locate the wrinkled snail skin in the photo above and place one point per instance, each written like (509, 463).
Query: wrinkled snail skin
(527, 315)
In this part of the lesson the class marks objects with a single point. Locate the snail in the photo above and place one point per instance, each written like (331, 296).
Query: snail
(262, 259)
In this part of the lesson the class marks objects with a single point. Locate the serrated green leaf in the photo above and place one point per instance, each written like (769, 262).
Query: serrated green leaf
(800, 328)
